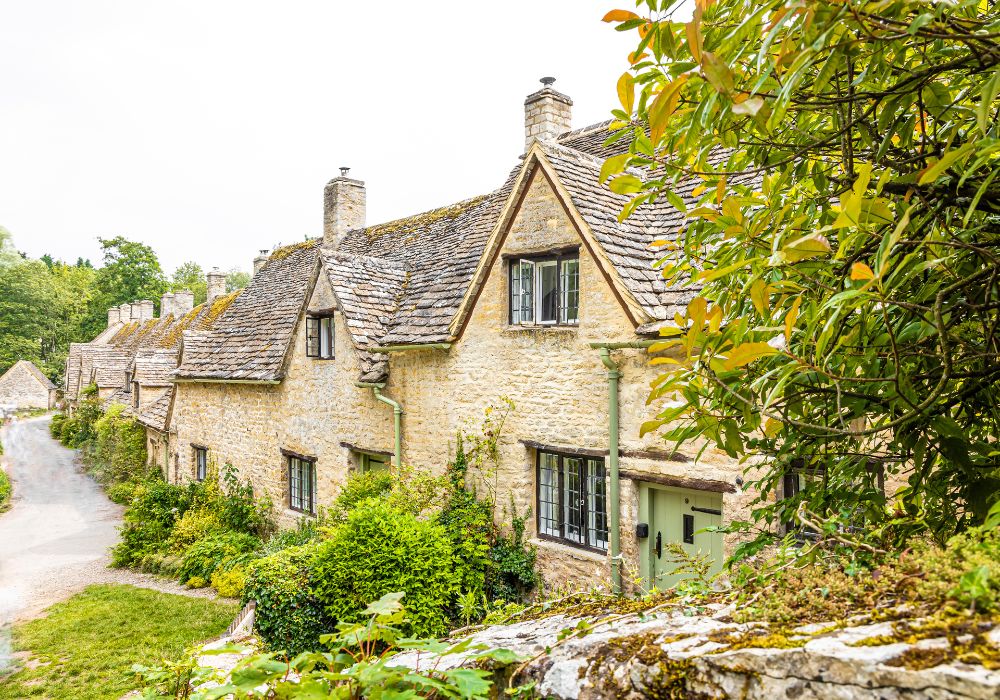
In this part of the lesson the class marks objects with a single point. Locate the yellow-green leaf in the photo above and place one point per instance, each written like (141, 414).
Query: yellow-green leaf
(626, 92)
(790, 318)
(619, 16)
(625, 184)
(745, 353)
(760, 296)
(933, 172)
(613, 166)
(772, 427)
(809, 246)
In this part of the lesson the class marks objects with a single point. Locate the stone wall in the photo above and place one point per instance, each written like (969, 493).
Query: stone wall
(20, 388)
(315, 409)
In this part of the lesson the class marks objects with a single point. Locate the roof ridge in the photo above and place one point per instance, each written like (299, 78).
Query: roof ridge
(585, 129)
(465, 205)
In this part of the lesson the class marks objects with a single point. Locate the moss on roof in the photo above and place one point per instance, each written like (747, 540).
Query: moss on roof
(173, 335)
(216, 308)
(418, 221)
(284, 252)
(124, 332)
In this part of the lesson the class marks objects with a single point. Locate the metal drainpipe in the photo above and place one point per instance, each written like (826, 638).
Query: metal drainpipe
(397, 415)
(614, 534)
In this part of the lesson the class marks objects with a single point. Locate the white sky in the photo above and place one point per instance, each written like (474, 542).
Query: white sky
(208, 129)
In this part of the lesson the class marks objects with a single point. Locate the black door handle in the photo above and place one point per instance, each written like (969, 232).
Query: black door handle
(657, 546)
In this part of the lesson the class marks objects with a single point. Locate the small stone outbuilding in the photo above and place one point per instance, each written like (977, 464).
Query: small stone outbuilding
(24, 386)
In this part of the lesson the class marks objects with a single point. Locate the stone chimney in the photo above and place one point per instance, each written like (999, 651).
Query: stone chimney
(114, 316)
(183, 302)
(125, 313)
(216, 284)
(167, 305)
(145, 308)
(260, 261)
(547, 114)
(343, 208)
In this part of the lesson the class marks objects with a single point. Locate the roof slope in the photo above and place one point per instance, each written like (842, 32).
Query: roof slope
(32, 370)
(250, 340)
(155, 414)
(439, 250)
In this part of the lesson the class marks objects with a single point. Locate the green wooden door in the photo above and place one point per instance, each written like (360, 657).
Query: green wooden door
(677, 516)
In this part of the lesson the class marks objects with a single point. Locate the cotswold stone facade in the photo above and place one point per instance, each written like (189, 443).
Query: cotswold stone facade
(534, 292)
(24, 386)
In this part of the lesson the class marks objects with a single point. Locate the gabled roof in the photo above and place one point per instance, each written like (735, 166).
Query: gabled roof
(107, 365)
(155, 414)
(154, 367)
(250, 340)
(32, 370)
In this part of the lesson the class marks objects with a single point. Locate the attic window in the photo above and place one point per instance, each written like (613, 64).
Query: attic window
(319, 337)
(545, 290)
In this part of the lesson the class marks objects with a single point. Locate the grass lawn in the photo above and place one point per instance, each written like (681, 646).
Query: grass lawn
(86, 645)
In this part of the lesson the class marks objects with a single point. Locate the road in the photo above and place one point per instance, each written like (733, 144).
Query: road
(54, 540)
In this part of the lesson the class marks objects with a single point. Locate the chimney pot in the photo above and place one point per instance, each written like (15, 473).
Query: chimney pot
(343, 208)
(547, 114)
(260, 261)
(216, 284)
(183, 302)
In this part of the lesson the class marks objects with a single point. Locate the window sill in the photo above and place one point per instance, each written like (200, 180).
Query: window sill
(568, 549)
(296, 513)
(535, 328)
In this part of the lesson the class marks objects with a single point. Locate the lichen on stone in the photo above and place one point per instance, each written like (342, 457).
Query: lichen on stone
(286, 251)
(414, 223)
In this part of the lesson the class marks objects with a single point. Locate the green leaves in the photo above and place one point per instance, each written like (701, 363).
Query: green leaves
(946, 161)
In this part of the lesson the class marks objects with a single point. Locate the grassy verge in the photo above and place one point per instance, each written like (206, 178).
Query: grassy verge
(5, 491)
(86, 645)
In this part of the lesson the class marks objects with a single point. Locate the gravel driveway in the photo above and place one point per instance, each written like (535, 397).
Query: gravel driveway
(54, 540)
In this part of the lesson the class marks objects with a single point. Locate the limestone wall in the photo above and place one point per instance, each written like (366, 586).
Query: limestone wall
(20, 388)
(314, 410)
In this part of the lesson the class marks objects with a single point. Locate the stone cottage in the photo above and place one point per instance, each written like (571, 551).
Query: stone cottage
(24, 386)
(376, 345)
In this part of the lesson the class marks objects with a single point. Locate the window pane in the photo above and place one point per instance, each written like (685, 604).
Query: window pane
(326, 337)
(569, 311)
(547, 290)
(312, 337)
(548, 494)
(515, 292)
(294, 483)
(573, 501)
(597, 514)
(527, 273)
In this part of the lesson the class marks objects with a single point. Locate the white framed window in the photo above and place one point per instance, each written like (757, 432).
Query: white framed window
(545, 291)
(319, 337)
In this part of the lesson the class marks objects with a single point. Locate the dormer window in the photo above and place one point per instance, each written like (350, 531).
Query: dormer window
(545, 290)
(319, 337)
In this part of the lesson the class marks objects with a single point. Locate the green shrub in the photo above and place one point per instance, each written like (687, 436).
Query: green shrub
(224, 549)
(511, 574)
(195, 524)
(160, 563)
(229, 583)
(5, 490)
(149, 520)
(122, 492)
(239, 510)
(119, 447)
(381, 549)
(56, 425)
(306, 530)
(361, 487)
(289, 617)
(196, 582)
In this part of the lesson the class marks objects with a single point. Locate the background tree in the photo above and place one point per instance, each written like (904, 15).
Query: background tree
(131, 272)
(8, 253)
(845, 241)
(237, 279)
(190, 275)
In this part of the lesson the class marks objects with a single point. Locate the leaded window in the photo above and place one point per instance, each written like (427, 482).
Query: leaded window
(572, 499)
(319, 337)
(545, 290)
(301, 484)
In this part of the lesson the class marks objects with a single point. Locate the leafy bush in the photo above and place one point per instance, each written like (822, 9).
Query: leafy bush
(224, 549)
(361, 487)
(122, 492)
(195, 524)
(306, 530)
(289, 616)
(119, 449)
(512, 574)
(162, 564)
(380, 549)
(239, 510)
(149, 520)
(56, 425)
(5, 489)
(229, 583)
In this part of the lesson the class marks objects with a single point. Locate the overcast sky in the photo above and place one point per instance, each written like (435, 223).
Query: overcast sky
(208, 129)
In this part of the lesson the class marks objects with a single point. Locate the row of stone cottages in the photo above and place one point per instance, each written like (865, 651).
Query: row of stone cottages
(379, 343)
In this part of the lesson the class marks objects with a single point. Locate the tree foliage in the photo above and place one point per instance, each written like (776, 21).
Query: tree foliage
(844, 240)
(190, 276)
(131, 272)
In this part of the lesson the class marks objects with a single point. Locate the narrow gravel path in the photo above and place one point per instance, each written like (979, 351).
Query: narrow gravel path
(54, 540)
